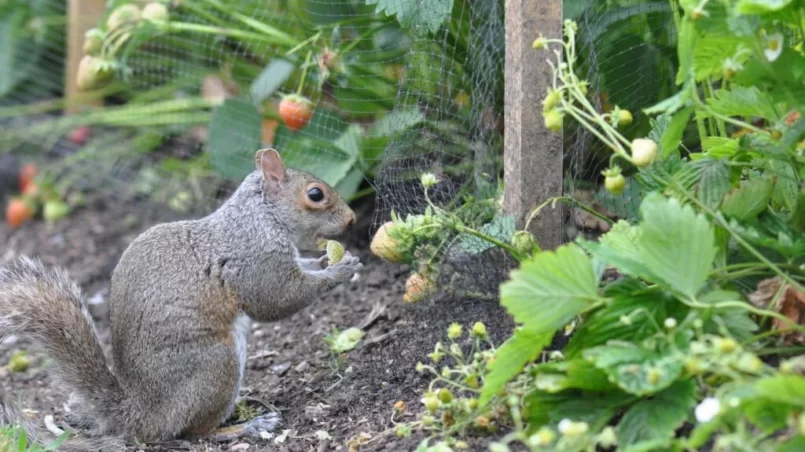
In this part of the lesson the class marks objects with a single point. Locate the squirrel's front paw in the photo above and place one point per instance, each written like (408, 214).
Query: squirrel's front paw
(346, 268)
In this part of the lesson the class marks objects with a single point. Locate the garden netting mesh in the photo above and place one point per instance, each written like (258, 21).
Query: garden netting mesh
(398, 87)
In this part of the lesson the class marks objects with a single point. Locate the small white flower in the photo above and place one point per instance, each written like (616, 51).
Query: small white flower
(734, 402)
(670, 322)
(428, 180)
(570, 428)
(774, 46)
(707, 410)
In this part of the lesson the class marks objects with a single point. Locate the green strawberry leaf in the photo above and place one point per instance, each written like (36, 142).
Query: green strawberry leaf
(676, 242)
(748, 200)
(650, 424)
(634, 369)
(520, 349)
(234, 136)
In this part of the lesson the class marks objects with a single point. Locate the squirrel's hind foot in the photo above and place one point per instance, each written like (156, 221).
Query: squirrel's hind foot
(256, 428)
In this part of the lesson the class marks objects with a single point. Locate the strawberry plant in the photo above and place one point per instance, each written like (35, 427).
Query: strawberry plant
(696, 343)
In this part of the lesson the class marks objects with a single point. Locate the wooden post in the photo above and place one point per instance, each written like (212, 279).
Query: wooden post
(533, 154)
(81, 16)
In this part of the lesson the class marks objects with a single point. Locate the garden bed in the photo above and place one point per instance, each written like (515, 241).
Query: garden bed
(290, 366)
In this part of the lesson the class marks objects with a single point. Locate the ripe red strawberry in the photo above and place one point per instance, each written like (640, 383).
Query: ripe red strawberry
(27, 174)
(295, 112)
(18, 212)
(79, 135)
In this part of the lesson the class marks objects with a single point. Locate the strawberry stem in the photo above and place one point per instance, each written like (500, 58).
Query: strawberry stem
(304, 74)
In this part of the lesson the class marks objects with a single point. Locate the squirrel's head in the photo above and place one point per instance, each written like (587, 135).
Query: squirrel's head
(314, 210)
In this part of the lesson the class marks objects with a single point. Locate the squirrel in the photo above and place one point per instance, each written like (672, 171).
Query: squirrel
(182, 298)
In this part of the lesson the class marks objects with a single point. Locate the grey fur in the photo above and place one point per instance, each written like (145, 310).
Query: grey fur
(178, 305)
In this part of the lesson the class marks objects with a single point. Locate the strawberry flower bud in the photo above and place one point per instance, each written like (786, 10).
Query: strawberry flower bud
(454, 330)
(428, 180)
(479, 330)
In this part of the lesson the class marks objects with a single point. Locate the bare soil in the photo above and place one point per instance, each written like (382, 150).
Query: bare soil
(323, 405)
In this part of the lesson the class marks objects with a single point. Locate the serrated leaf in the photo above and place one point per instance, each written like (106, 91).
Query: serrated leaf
(761, 6)
(686, 43)
(765, 414)
(550, 288)
(676, 243)
(234, 137)
(603, 325)
(594, 408)
(743, 101)
(270, 79)
(618, 249)
(672, 136)
(520, 349)
(736, 320)
(634, 369)
(795, 444)
(718, 147)
(398, 121)
(710, 53)
(714, 182)
(502, 227)
(748, 200)
(787, 389)
(573, 374)
(782, 243)
(423, 17)
(331, 164)
(652, 423)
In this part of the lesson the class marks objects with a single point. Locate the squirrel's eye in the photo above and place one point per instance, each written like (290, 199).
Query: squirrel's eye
(315, 194)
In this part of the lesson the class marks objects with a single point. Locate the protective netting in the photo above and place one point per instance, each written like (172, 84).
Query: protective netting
(398, 88)
(627, 55)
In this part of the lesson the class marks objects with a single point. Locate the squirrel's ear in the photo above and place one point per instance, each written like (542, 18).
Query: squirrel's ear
(269, 162)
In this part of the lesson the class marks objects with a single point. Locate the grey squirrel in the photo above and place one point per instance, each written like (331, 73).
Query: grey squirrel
(182, 298)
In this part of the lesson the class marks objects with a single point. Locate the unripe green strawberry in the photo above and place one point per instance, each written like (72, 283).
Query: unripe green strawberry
(155, 12)
(384, 247)
(615, 184)
(55, 209)
(524, 242)
(552, 99)
(19, 362)
(417, 288)
(92, 72)
(445, 396)
(335, 251)
(624, 118)
(93, 41)
(553, 120)
(644, 151)
(431, 403)
(125, 14)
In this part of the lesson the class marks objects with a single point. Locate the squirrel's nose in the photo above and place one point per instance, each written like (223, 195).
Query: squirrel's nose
(351, 220)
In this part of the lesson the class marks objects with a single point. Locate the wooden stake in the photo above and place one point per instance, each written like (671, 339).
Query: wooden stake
(533, 154)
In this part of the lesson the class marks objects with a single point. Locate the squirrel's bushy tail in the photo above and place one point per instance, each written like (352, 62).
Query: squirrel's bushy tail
(47, 306)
